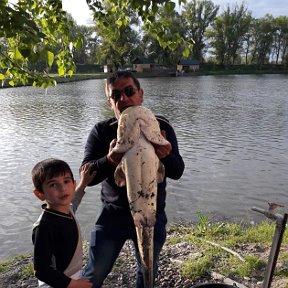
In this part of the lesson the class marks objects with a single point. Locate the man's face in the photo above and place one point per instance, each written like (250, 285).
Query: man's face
(122, 94)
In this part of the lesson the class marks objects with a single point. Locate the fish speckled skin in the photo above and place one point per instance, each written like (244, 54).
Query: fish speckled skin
(140, 170)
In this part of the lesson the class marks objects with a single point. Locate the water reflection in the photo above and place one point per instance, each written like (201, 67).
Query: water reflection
(232, 132)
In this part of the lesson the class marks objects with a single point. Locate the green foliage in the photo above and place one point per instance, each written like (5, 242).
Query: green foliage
(203, 224)
(31, 30)
(197, 268)
(223, 230)
(227, 33)
(283, 271)
(116, 42)
(263, 232)
(210, 257)
(147, 10)
(28, 270)
(233, 266)
(38, 37)
(158, 42)
(198, 16)
(6, 265)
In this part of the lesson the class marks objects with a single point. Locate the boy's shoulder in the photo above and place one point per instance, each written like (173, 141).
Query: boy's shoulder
(44, 219)
(50, 218)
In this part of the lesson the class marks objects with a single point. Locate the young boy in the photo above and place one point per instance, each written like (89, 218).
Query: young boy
(56, 234)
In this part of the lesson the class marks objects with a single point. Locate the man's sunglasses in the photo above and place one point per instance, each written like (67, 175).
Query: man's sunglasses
(129, 91)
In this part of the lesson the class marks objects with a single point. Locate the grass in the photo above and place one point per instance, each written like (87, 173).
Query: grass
(8, 264)
(234, 237)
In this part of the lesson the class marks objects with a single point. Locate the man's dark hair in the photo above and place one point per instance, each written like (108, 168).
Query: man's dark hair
(121, 74)
(47, 169)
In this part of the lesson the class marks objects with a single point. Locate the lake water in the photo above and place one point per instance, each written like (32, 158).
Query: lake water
(232, 133)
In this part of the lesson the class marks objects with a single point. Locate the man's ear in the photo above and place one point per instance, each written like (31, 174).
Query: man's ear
(141, 95)
(39, 195)
(109, 102)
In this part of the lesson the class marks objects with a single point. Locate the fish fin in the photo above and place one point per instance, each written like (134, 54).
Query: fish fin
(160, 172)
(150, 128)
(139, 219)
(119, 176)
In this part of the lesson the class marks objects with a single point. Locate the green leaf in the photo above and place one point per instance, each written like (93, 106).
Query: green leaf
(119, 23)
(50, 58)
(61, 71)
(79, 42)
(44, 85)
(2, 77)
(186, 53)
(70, 73)
(17, 54)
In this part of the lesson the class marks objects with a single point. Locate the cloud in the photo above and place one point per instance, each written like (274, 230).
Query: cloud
(79, 11)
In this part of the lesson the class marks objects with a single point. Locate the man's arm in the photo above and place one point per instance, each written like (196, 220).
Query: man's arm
(173, 162)
(97, 149)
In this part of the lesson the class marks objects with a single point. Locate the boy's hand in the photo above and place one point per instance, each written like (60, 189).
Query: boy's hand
(86, 176)
(81, 283)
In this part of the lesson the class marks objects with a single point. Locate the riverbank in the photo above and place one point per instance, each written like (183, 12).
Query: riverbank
(202, 72)
(221, 252)
(217, 72)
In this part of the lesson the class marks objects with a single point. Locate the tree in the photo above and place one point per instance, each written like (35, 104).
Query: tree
(264, 30)
(82, 54)
(199, 15)
(248, 42)
(116, 42)
(146, 10)
(228, 33)
(162, 54)
(30, 30)
(280, 38)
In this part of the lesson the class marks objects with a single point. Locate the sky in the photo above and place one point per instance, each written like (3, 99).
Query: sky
(259, 8)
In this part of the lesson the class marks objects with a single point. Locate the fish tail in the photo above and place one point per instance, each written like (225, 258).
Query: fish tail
(145, 238)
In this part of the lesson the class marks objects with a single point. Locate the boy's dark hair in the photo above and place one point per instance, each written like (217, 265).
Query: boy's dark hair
(121, 74)
(47, 169)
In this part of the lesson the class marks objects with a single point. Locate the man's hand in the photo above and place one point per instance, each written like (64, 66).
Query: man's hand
(113, 157)
(162, 150)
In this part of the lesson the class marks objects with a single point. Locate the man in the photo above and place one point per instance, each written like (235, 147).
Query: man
(114, 224)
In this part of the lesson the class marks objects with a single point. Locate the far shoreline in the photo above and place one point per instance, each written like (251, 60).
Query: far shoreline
(102, 75)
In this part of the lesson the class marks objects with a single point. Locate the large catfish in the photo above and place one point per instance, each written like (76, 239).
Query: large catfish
(140, 170)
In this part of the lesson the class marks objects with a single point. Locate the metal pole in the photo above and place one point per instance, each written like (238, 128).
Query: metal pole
(276, 243)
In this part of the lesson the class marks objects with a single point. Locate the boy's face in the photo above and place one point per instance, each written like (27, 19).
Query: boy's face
(58, 192)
